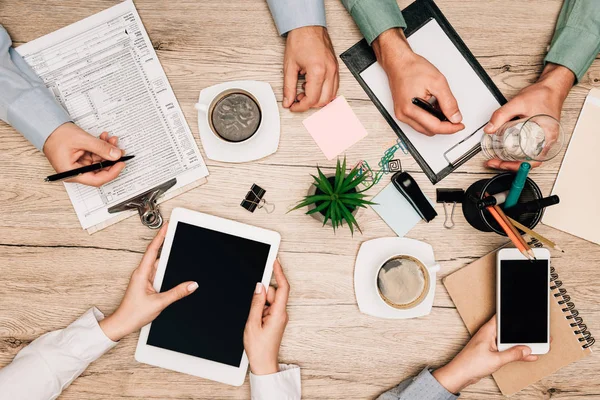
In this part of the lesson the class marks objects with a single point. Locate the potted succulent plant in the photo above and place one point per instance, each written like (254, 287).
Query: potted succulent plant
(334, 199)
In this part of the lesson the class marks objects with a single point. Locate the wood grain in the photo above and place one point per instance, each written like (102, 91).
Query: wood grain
(52, 271)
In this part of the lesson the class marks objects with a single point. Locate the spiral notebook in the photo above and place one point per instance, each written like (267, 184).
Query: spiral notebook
(473, 290)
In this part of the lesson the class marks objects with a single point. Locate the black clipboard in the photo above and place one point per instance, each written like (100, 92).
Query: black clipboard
(360, 56)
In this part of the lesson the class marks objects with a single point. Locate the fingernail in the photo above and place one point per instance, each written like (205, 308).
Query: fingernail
(285, 101)
(115, 153)
(192, 286)
(526, 351)
(493, 163)
(488, 128)
(456, 118)
(259, 288)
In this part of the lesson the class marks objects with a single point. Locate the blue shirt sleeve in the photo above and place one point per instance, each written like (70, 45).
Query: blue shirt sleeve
(292, 14)
(25, 102)
(421, 387)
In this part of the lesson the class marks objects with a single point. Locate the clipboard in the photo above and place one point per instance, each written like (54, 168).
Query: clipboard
(418, 15)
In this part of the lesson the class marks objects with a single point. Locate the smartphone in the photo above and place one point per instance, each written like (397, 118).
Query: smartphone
(523, 300)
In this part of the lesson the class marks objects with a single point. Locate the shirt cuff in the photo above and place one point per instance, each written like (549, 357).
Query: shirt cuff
(36, 114)
(425, 386)
(284, 385)
(574, 48)
(292, 14)
(85, 338)
(374, 17)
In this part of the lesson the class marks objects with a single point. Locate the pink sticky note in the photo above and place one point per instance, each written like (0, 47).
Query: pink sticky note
(335, 127)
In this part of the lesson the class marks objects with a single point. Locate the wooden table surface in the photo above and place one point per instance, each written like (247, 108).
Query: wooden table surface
(51, 271)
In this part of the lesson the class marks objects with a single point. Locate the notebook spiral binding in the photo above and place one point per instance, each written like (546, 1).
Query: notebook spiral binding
(577, 321)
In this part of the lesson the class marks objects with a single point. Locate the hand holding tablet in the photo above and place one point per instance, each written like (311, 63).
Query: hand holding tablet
(141, 303)
(266, 324)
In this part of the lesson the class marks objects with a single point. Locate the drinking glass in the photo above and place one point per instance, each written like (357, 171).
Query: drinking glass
(537, 138)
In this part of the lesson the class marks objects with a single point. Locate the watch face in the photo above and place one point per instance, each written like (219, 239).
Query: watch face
(236, 117)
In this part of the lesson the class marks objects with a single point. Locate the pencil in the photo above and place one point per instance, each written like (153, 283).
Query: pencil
(536, 235)
(515, 231)
(511, 235)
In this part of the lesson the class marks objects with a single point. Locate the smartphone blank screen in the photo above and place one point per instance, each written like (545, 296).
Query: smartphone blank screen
(524, 300)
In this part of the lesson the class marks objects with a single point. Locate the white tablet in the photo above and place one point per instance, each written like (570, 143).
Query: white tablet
(202, 334)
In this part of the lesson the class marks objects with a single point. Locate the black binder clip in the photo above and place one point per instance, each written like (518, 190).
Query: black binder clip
(254, 199)
(146, 205)
(447, 196)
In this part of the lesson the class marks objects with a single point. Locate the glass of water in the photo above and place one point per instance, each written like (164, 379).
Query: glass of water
(537, 138)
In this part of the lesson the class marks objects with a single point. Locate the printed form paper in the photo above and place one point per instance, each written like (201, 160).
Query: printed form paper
(475, 101)
(105, 73)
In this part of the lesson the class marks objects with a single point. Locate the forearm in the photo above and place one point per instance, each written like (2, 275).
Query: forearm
(390, 43)
(374, 17)
(576, 40)
(25, 102)
(291, 14)
(50, 363)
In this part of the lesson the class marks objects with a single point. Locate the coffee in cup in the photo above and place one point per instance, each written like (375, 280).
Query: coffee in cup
(403, 282)
(234, 115)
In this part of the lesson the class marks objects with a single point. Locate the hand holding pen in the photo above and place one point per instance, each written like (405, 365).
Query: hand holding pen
(69, 147)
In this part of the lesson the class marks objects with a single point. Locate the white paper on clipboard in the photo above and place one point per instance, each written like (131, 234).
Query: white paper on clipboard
(475, 100)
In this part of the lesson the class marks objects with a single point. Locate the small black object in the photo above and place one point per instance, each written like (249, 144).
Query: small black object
(450, 195)
(533, 205)
(88, 168)
(486, 202)
(430, 108)
(253, 198)
(409, 188)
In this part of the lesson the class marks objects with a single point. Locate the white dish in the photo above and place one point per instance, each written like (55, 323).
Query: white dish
(181, 329)
(371, 256)
(263, 143)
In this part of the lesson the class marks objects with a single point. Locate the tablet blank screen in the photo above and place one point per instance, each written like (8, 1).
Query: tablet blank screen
(210, 322)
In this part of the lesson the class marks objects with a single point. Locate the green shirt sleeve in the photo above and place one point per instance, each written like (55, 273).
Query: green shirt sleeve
(374, 17)
(576, 40)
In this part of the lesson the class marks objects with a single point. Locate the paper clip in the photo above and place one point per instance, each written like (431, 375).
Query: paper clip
(447, 196)
(254, 199)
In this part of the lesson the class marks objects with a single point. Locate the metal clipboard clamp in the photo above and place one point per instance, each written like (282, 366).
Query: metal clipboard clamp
(146, 205)
(465, 157)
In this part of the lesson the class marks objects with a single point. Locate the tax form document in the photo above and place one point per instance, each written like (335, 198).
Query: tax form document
(105, 73)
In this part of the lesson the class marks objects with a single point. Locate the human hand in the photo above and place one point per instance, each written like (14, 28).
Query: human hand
(479, 358)
(141, 303)
(308, 51)
(70, 147)
(266, 324)
(410, 75)
(546, 96)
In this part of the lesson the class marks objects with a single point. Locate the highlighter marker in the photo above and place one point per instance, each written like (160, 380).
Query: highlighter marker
(517, 185)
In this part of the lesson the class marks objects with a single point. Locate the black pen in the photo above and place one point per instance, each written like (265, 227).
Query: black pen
(88, 168)
(425, 105)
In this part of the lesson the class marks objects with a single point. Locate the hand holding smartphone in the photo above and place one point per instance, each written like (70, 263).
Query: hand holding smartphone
(523, 300)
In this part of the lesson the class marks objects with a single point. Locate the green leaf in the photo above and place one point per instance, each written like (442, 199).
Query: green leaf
(320, 207)
(339, 175)
(354, 184)
(351, 220)
(358, 202)
(351, 196)
(351, 179)
(325, 182)
(311, 200)
(327, 215)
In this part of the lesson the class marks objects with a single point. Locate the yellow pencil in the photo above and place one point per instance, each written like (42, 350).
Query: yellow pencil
(536, 235)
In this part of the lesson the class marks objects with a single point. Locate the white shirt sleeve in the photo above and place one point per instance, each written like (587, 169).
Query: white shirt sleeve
(50, 363)
(284, 385)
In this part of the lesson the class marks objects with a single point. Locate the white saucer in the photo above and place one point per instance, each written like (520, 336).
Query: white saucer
(371, 256)
(263, 143)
